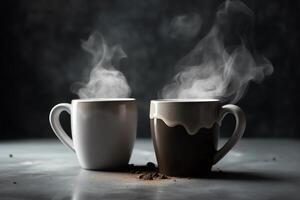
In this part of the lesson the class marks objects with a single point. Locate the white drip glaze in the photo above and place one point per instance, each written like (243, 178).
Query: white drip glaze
(191, 118)
(191, 130)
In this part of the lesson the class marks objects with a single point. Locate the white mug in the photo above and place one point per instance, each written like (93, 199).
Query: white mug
(103, 131)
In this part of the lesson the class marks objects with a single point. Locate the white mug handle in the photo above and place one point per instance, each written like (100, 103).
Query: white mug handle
(240, 126)
(56, 126)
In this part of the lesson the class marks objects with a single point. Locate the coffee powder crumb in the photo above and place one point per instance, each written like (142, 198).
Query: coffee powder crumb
(151, 166)
(163, 176)
(147, 172)
(10, 155)
(146, 176)
(14, 182)
(152, 176)
(274, 159)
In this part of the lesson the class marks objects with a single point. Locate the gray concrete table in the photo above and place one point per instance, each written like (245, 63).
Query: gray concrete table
(45, 169)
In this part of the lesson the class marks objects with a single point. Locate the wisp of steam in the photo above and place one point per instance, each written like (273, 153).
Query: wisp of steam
(223, 63)
(184, 26)
(105, 81)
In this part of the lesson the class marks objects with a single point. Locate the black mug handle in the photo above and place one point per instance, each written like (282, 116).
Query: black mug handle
(237, 133)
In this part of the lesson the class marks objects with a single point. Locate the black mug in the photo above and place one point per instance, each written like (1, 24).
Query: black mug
(185, 134)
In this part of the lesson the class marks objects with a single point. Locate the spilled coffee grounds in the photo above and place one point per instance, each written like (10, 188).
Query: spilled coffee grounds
(147, 172)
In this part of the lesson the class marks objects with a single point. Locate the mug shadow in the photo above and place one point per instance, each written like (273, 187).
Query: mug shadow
(241, 176)
(214, 174)
(98, 185)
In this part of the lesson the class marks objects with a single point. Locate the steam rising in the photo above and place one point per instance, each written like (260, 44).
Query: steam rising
(105, 80)
(183, 27)
(222, 64)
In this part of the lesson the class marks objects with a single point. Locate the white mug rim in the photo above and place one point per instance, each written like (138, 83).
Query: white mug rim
(184, 100)
(103, 100)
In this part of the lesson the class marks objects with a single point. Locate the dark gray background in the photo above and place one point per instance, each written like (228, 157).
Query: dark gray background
(42, 57)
